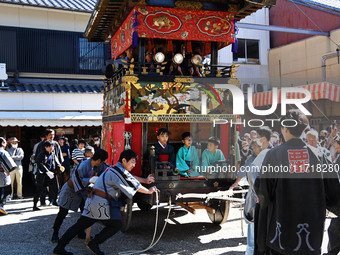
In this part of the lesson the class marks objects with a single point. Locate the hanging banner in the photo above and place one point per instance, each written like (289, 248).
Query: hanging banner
(174, 24)
(122, 39)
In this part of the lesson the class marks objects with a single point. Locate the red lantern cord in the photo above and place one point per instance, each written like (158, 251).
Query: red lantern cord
(189, 47)
(149, 46)
(170, 46)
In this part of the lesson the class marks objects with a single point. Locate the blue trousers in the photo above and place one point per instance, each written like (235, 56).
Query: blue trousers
(250, 240)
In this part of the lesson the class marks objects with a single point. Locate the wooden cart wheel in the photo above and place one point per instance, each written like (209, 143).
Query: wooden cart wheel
(221, 211)
(127, 215)
(144, 206)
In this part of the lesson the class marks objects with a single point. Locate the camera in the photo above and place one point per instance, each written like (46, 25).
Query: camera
(333, 124)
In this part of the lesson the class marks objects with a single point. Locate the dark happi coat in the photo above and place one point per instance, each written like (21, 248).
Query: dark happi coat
(293, 203)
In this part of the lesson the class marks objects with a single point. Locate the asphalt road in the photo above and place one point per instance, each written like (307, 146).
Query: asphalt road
(24, 231)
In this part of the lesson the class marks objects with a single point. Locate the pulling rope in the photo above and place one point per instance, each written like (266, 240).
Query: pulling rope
(219, 195)
(223, 195)
(152, 244)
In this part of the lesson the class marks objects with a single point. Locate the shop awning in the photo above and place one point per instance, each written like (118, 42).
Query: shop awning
(321, 90)
(50, 119)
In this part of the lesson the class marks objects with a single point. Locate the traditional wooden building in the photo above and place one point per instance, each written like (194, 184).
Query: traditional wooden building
(54, 73)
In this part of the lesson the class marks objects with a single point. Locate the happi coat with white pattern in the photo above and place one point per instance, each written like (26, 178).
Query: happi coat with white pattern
(117, 182)
(293, 202)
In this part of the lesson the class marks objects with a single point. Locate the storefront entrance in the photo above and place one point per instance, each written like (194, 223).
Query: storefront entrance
(29, 136)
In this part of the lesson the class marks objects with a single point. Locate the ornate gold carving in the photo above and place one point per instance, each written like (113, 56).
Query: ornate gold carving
(142, 2)
(193, 118)
(215, 184)
(171, 185)
(234, 8)
(145, 68)
(162, 21)
(184, 80)
(233, 70)
(234, 81)
(175, 171)
(152, 150)
(189, 5)
(132, 79)
(230, 16)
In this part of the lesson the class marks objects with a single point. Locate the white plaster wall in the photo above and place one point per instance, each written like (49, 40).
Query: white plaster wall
(252, 73)
(42, 18)
(50, 101)
(299, 63)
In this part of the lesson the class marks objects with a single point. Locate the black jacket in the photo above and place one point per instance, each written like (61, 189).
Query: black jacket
(293, 203)
(57, 150)
(47, 162)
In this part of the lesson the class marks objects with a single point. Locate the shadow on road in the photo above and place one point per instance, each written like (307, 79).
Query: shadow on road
(183, 238)
(29, 232)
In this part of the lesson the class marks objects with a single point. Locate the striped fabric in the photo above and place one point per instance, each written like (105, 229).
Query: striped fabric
(322, 90)
(74, 5)
(6, 161)
(78, 154)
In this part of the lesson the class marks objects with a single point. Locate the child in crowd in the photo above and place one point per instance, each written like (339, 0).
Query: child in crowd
(187, 157)
(212, 154)
(79, 153)
(164, 152)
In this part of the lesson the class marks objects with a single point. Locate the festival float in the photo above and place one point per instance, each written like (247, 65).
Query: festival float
(164, 73)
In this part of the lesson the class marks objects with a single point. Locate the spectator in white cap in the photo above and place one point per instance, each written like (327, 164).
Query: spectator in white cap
(246, 137)
(275, 139)
(312, 137)
(253, 135)
(17, 155)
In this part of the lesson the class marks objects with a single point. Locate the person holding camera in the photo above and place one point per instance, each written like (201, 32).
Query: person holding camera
(49, 135)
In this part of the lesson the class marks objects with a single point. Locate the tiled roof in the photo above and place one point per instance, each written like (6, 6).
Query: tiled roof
(53, 86)
(72, 5)
(327, 4)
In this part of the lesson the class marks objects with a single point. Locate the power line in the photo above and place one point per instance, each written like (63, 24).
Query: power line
(314, 23)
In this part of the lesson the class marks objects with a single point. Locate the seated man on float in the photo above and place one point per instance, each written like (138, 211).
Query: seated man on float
(113, 65)
(122, 60)
(176, 61)
(187, 160)
(149, 59)
(211, 155)
(194, 61)
(164, 152)
(128, 55)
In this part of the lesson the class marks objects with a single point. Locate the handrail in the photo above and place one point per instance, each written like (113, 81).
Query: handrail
(156, 69)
